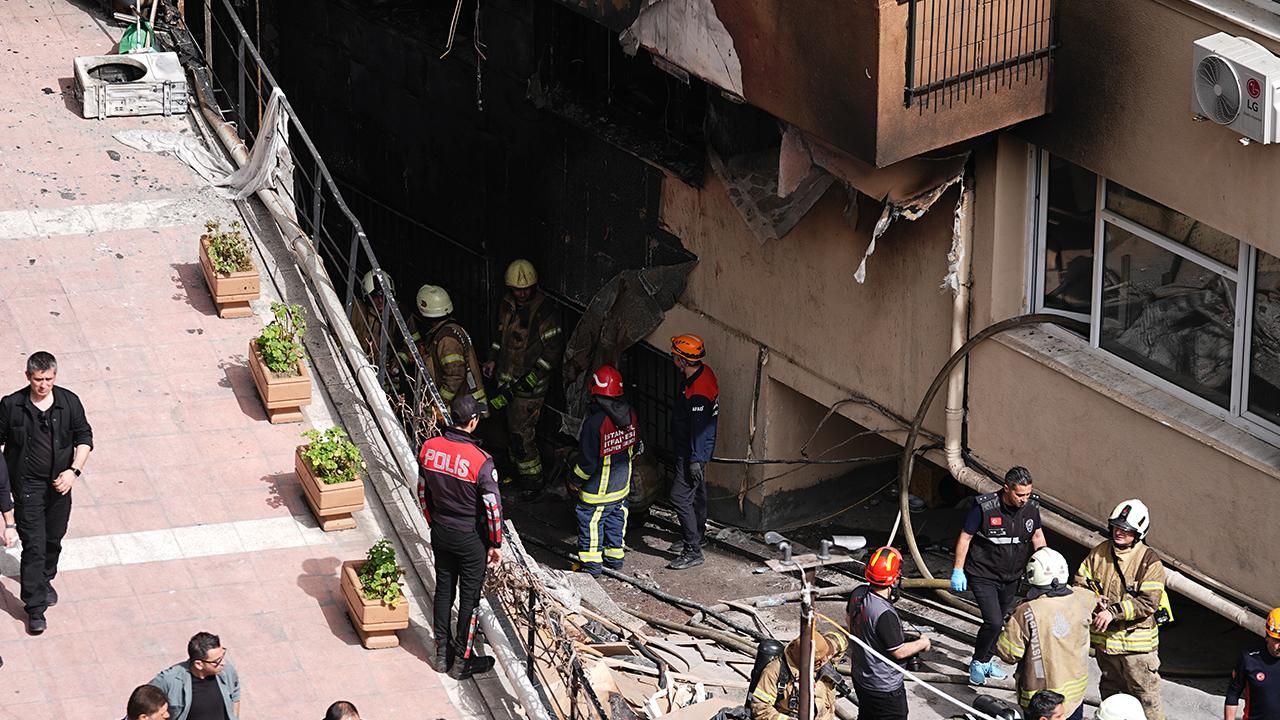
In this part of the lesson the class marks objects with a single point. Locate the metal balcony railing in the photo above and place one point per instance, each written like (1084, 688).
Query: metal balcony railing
(962, 48)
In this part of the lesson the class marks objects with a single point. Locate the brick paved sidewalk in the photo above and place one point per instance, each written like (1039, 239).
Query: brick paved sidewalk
(189, 516)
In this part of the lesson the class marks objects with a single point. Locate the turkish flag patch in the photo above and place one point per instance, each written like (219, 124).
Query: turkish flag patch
(997, 521)
(1261, 676)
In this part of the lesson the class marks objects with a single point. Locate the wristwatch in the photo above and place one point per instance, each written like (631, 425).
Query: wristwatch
(75, 470)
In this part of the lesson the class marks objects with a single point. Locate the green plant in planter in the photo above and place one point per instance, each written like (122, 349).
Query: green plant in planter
(380, 575)
(228, 249)
(280, 343)
(332, 456)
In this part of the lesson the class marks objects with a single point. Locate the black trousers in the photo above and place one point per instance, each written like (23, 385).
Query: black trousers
(689, 496)
(42, 514)
(874, 705)
(995, 601)
(460, 563)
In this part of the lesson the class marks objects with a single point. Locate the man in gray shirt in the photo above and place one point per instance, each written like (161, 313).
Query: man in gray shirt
(205, 686)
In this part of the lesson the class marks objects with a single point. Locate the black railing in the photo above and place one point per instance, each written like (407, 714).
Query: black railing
(962, 48)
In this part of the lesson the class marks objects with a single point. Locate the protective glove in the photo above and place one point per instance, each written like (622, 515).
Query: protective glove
(696, 472)
(959, 582)
(501, 398)
(530, 382)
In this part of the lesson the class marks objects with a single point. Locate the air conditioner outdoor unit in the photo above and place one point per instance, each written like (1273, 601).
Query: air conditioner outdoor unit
(1236, 82)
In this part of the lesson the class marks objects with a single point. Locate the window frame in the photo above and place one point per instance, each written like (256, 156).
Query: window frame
(1237, 412)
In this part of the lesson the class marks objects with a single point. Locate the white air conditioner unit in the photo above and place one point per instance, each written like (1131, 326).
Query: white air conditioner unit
(1236, 82)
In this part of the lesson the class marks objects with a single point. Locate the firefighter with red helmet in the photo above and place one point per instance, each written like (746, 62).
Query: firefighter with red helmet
(608, 444)
(694, 417)
(882, 692)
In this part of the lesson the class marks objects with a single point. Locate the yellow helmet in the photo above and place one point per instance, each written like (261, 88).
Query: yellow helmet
(1273, 624)
(520, 274)
(434, 302)
(369, 286)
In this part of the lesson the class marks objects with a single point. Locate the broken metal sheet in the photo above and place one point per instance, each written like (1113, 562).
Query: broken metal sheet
(907, 188)
(688, 34)
(751, 181)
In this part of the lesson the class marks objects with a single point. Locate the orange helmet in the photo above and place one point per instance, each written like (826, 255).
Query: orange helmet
(1273, 624)
(884, 568)
(606, 381)
(688, 347)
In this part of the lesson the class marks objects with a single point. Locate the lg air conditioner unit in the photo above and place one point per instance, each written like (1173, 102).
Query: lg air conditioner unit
(1236, 82)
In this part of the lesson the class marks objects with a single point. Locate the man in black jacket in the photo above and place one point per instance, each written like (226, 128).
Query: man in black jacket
(46, 441)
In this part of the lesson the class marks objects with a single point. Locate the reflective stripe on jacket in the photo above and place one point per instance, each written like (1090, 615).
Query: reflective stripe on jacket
(1134, 628)
(607, 450)
(529, 339)
(1048, 639)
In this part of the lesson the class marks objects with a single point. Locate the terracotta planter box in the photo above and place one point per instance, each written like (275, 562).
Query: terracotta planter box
(283, 397)
(331, 504)
(375, 622)
(231, 293)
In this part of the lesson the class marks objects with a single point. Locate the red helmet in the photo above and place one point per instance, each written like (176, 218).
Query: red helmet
(884, 568)
(606, 381)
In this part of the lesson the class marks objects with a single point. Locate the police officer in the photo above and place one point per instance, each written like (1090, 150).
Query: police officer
(527, 346)
(1129, 577)
(446, 348)
(1000, 533)
(1256, 678)
(881, 688)
(1048, 635)
(694, 417)
(607, 446)
(458, 491)
(776, 695)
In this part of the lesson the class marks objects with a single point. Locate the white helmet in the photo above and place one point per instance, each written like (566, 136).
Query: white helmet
(1047, 566)
(434, 302)
(367, 282)
(1131, 515)
(1120, 707)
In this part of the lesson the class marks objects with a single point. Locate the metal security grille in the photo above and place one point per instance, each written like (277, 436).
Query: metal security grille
(962, 48)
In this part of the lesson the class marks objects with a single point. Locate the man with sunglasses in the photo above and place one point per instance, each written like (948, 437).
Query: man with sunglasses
(206, 686)
(46, 441)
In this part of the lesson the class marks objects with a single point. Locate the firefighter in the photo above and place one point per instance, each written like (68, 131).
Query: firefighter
(694, 416)
(603, 472)
(881, 690)
(1121, 707)
(458, 492)
(1129, 577)
(1256, 678)
(527, 346)
(776, 693)
(1047, 636)
(446, 349)
(366, 314)
(1000, 533)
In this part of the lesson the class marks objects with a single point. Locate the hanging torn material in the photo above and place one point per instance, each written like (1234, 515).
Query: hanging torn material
(688, 34)
(907, 189)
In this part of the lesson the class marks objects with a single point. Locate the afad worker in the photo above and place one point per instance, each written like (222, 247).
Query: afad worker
(458, 491)
(880, 686)
(1047, 636)
(1000, 533)
(777, 692)
(527, 346)
(694, 417)
(1129, 577)
(1256, 678)
(607, 447)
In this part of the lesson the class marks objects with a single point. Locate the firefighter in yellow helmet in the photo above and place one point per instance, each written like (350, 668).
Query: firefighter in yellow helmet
(1129, 578)
(446, 348)
(527, 346)
(775, 695)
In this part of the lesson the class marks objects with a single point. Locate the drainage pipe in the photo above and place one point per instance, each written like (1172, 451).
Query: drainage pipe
(312, 267)
(954, 372)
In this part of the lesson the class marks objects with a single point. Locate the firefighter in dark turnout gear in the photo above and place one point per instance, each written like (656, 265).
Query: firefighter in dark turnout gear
(446, 348)
(527, 346)
(694, 416)
(458, 492)
(608, 444)
(999, 535)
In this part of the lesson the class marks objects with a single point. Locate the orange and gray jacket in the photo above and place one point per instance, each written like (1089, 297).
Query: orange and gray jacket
(695, 415)
(608, 444)
(529, 340)
(1132, 581)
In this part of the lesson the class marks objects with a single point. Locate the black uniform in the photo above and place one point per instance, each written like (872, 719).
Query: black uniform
(38, 446)
(1256, 678)
(996, 562)
(458, 490)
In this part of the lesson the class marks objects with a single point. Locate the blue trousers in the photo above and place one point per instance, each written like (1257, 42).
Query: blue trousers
(600, 532)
